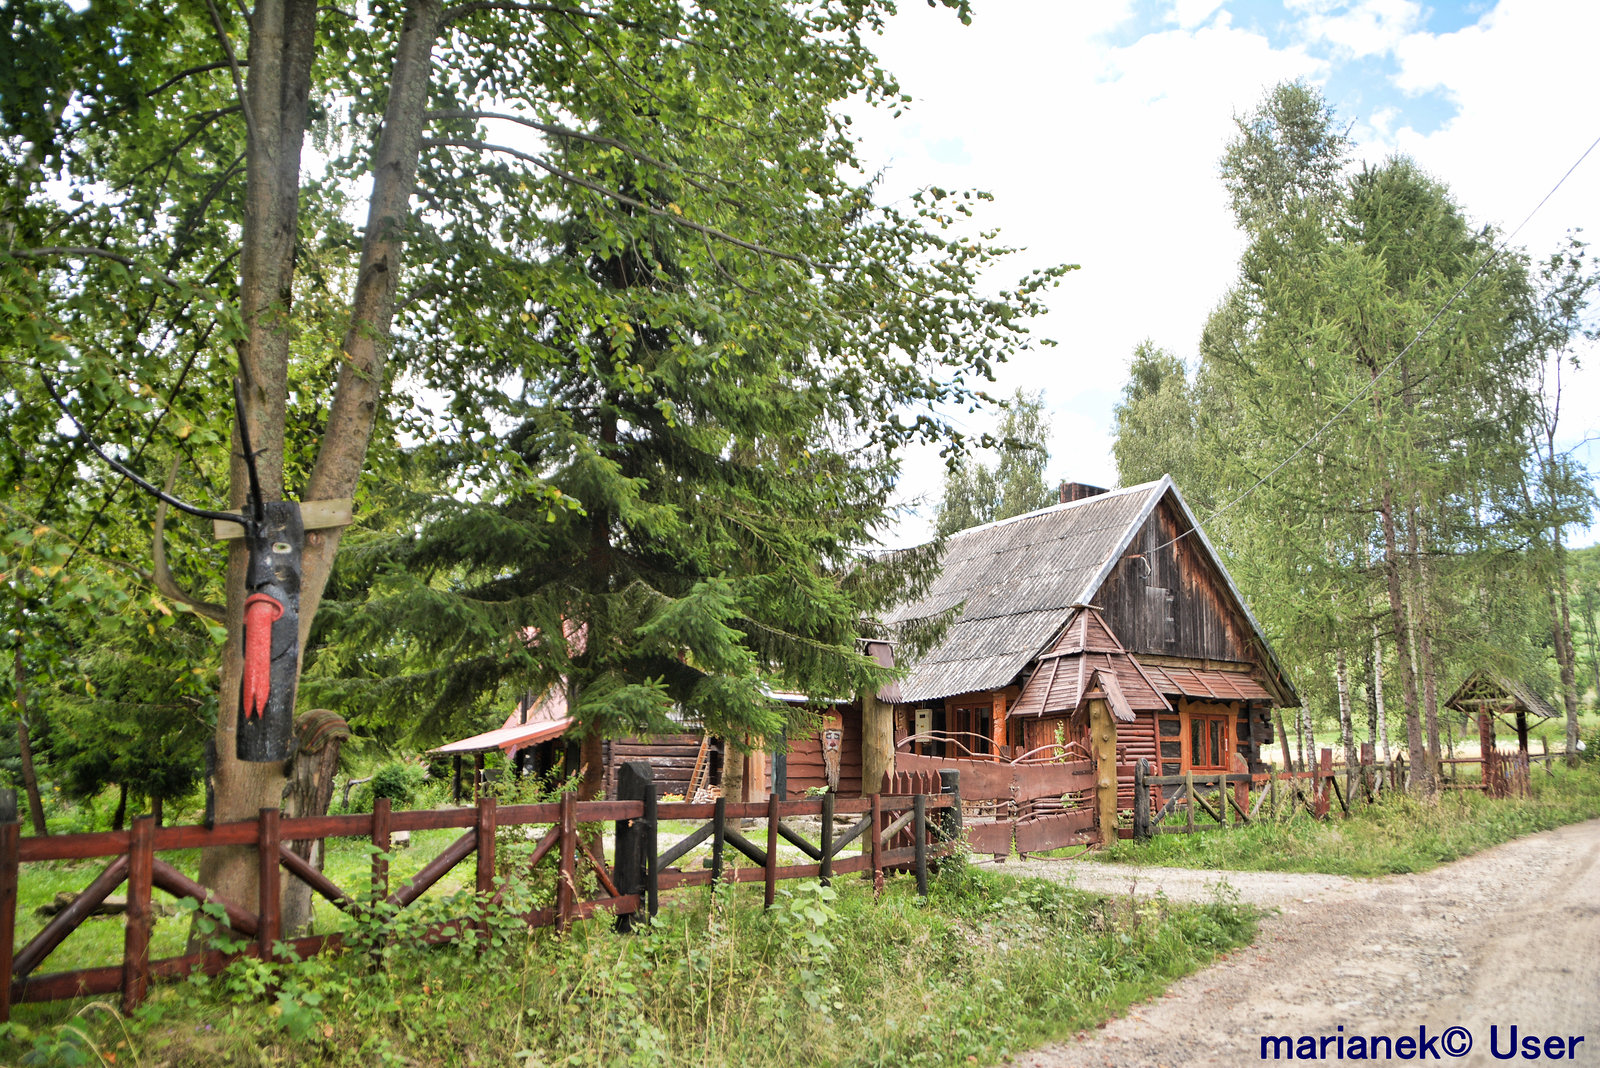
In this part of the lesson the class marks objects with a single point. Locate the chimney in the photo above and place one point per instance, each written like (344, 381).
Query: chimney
(1077, 491)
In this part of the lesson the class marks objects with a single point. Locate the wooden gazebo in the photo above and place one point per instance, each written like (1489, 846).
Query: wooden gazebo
(1487, 694)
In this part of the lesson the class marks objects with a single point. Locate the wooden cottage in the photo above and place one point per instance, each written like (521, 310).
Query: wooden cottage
(1108, 594)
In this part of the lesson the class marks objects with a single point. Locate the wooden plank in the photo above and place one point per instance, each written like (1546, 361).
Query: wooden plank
(719, 828)
(74, 846)
(302, 828)
(238, 832)
(919, 835)
(136, 920)
(682, 847)
(1054, 832)
(314, 515)
(991, 838)
(796, 839)
(875, 844)
(825, 846)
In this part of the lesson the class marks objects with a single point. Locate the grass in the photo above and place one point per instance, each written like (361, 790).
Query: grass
(1398, 834)
(987, 966)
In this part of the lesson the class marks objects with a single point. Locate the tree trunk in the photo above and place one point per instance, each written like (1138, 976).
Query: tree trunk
(1421, 778)
(1341, 674)
(1377, 694)
(282, 48)
(1422, 619)
(119, 818)
(1561, 625)
(30, 780)
(732, 771)
(320, 735)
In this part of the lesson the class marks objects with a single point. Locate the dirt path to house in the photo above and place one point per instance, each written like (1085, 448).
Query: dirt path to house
(1510, 936)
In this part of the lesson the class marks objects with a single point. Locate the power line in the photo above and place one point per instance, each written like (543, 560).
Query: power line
(1422, 332)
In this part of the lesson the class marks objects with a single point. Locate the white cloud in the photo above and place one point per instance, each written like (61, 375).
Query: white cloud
(1107, 157)
(1190, 13)
(1364, 28)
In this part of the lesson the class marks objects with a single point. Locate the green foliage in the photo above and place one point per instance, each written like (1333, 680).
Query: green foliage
(975, 493)
(984, 968)
(1398, 834)
(399, 781)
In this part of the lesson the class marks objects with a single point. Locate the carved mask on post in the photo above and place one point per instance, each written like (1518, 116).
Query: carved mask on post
(832, 741)
(271, 636)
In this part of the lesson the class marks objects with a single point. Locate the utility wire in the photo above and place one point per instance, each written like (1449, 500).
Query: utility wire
(1372, 383)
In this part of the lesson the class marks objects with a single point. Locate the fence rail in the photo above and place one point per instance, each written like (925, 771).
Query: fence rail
(896, 831)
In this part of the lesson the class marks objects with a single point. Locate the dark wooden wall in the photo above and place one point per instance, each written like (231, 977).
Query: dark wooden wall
(1165, 597)
(805, 759)
(671, 757)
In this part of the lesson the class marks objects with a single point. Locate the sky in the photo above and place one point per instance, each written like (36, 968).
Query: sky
(1098, 127)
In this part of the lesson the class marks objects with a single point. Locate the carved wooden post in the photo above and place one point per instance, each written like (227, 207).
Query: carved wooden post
(136, 921)
(1103, 739)
(877, 742)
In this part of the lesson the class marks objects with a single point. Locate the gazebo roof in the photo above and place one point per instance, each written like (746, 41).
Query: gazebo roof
(1488, 690)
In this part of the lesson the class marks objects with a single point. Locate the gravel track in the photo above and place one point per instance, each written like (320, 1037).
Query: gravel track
(1507, 936)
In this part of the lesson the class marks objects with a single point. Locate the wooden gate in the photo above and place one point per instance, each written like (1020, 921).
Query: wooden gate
(1033, 807)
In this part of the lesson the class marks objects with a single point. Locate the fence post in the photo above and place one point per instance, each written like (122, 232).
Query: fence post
(485, 825)
(649, 846)
(919, 834)
(876, 845)
(772, 848)
(1141, 800)
(1322, 785)
(136, 921)
(267, 857)
(719, 828)
(634, 781)
(380, 842)
(1222, 800)
(825, 874)
(10, 831)
(1188, 797)
(567, 874)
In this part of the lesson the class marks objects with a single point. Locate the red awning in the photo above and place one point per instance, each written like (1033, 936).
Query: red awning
(507, 737)
(1209, 685)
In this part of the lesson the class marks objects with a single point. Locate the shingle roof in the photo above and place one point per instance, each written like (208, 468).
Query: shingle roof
(1087, 650)
(1490, 688)
(1018, 580)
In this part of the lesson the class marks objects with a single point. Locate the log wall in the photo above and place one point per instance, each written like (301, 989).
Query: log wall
(805, 769)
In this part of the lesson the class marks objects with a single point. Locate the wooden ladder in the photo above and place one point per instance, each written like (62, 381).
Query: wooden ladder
(702, 769)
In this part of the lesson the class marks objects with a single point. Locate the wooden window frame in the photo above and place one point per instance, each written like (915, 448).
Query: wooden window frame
(1203, 720)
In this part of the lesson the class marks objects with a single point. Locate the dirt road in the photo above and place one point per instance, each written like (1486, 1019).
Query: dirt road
(1508, 937)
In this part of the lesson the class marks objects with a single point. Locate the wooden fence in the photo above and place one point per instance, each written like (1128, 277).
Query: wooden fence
(1034, 807)
(897, 832)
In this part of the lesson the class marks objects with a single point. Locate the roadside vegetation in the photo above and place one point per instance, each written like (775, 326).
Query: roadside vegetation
(988, 965)
(1399, 833)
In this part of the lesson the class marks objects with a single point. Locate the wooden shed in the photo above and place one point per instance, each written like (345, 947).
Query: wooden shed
(1108, 593)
